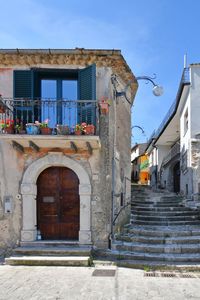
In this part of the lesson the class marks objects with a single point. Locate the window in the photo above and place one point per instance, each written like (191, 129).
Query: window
(186, 189)
(186, 122)
(56, 91)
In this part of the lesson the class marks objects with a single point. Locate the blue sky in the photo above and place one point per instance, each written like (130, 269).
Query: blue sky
(153, 36)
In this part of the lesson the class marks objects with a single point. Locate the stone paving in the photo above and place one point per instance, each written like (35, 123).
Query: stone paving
(77, 283)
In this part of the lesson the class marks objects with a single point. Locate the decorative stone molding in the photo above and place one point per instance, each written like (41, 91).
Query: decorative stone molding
(28, 189)
(29, 192)
(75, 58)
(28, 235)
(85, 237)
(85, 189)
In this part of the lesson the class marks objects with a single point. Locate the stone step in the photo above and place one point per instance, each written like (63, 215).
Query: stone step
(180, 267)
(48, 260)
(51, 243)
(159, 240)
(165, 231)
(163, 218)
(156, 205)
(52, 251)
(159, 209)
(164, 257)
(170, 198)
(144, 199)
(165, 223)
(166, 213)
(158, 248)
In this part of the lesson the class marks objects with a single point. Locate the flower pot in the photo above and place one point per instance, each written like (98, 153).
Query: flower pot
(22, 131)
(2, 109)
(63, 130)
(32, 129)
(46, 130)
(89, 130)
(78, 132)
(103, 108)
(9, 130)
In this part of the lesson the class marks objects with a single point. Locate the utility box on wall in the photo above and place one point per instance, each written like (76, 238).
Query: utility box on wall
(8, 200)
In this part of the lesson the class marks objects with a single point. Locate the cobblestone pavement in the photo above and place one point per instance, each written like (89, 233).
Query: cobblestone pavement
(44, 283)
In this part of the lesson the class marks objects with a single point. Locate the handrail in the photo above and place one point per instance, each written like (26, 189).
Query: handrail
(113, 222)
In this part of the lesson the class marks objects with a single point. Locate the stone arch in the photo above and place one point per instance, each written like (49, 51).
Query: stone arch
(29, 194)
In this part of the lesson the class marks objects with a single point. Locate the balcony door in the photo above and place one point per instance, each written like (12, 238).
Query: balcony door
(57, 87)
(57, 101)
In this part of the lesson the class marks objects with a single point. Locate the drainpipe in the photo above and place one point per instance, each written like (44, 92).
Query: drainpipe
(110, 237)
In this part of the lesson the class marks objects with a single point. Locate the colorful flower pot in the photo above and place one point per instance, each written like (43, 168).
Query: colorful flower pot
(46, 130)
(78, 132)
(104, 108)
(89, 130)
(32, 129)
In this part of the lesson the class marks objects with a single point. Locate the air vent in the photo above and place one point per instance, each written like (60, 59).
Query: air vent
(104, 273)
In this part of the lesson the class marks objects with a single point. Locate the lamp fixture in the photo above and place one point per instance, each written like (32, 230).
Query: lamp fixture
(157, 89)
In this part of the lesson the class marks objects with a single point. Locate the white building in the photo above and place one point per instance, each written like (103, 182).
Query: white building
(175, 147)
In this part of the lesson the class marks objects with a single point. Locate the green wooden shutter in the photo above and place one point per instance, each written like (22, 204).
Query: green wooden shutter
(87, 91)
(23, 88)
(87, 83)
(23, 84)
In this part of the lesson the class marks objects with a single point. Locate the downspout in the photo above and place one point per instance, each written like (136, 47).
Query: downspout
(110, 237)
(113, 217)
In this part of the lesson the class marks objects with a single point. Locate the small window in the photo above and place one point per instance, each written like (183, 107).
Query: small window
(186, 189)
(122, 200)
(186, 122)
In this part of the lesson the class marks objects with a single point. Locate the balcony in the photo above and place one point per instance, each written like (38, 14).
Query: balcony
(174, 151)
(50, 123)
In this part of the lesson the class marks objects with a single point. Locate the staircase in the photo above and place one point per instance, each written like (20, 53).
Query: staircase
(50, 253)
(162, 233)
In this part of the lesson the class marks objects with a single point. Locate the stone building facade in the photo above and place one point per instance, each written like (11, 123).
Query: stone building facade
(93, 169)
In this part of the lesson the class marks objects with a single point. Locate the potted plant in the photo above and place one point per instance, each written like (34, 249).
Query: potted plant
(78, 129)
(104, 105)
(32, 128)
(89, 129)
(44, 129)
(63, 129)
(7, 126)
(19, 128)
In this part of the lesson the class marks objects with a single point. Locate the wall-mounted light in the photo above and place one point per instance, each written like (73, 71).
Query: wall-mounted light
(157, 89)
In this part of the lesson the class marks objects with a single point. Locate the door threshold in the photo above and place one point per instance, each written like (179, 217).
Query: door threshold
(57, 242)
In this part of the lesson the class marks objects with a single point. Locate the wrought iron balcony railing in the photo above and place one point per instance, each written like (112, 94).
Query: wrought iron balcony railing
(61, 116)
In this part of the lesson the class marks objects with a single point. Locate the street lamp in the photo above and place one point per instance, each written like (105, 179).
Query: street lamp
(157, 89)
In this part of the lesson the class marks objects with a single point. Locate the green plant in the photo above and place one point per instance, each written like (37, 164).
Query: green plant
(43, 124)
(80, 127)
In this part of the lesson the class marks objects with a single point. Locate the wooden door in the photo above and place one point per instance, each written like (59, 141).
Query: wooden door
(176, 174)
(58, 205)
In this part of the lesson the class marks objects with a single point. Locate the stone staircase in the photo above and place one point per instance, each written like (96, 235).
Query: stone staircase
(50, 253)
(163, 232)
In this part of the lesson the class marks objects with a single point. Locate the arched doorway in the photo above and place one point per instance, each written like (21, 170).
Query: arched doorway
(176, 177)
(29, 195)
(58, 205)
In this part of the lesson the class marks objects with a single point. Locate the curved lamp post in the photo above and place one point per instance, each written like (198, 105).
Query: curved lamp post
(157, 89)
(136, 126)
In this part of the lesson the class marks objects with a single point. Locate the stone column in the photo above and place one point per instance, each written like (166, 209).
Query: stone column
(29, 230)
(85, 214)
